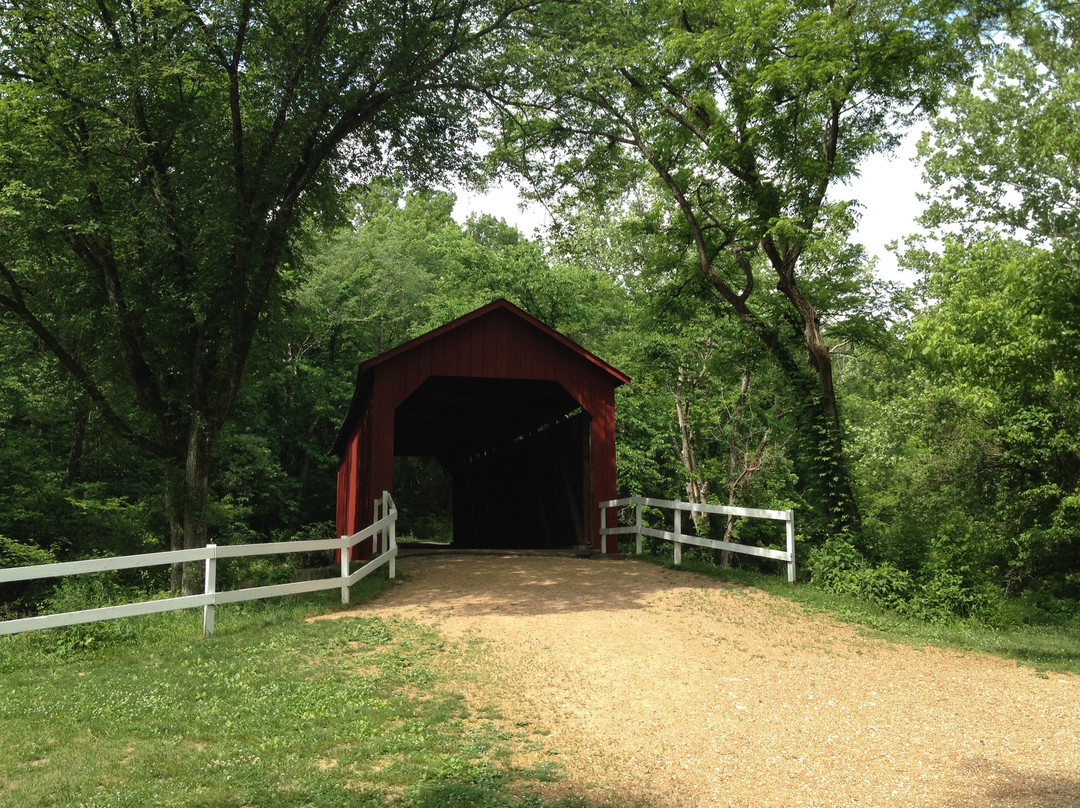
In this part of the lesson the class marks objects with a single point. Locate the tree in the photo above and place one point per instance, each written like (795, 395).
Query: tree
(159, 160)
(1002, 335)
(717, 389)
(968, 429)
(998, 332)
(1008, 154)
(68, 487)
(739, 119)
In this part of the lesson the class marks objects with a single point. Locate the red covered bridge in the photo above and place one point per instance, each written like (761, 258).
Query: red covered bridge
(521, 417)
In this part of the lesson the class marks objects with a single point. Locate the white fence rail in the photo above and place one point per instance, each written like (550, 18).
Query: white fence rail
(381, 532)
(679, 538)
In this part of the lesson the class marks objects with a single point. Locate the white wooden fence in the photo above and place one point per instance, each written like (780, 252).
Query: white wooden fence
(381, 532)
(680, 538)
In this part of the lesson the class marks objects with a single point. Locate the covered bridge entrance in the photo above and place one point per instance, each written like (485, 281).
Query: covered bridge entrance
(521, 417)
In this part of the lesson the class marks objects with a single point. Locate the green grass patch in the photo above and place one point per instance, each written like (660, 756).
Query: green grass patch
(1043, 647)
(271, 711)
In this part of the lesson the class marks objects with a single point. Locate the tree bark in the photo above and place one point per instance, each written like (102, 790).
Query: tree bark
(174, 514)
(197, 487)
(78, 443)
(842, 509)
(697, 488)
(186, 504)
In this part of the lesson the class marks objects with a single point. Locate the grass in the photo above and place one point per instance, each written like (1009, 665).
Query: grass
(277, 711)
(1045, 648)
(271, 711)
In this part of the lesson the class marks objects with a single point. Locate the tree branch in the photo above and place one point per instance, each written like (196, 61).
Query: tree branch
(16, 304)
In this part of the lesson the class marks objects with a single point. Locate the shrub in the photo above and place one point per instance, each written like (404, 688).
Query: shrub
(16, 554)
(78, 592)
(22, 596)
(276, 569)
(834, 566)
(885, 585)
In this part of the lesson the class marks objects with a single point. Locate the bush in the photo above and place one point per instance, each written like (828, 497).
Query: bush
(22, 596)
(885, 585)
(270, 570)
(834, 566)
(78, 592)
(15, 554)
(942, 598)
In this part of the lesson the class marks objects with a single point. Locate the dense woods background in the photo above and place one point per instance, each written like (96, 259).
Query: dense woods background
(211, 213)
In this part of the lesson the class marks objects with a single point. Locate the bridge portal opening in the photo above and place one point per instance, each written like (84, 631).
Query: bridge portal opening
(516, 452)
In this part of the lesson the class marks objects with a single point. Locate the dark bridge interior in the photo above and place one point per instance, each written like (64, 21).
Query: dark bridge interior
(517, 451)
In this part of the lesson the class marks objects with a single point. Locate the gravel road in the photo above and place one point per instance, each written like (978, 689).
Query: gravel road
(660, 688)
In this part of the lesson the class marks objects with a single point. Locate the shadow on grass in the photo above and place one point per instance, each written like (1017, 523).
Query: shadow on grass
(273, 711)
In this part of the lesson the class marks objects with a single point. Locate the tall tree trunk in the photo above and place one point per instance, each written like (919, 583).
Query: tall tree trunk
(197, 488)
(842, 509)
(78, 442)
(174, 514)
(186, 501)
(697, 487)
(818, 446)
(304, 469)
(842, 512)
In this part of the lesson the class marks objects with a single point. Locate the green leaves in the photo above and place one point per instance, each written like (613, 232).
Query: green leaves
(729, 125)
(979, 425)
(160, 161)
(1009, 152)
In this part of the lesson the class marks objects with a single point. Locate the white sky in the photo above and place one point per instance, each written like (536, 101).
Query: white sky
(886, 188)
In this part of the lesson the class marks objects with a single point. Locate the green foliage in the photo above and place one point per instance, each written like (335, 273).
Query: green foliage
(940, 591)
(988, 446)
(78, 592)
(167, 252)
(727, 127)
(1009, 152)
(14, 554)
(834, 566)
(251, 571)
(704, 405)
(21, 596)
(966, 431)
(159, 163)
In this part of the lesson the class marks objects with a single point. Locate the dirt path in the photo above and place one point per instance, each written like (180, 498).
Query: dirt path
(665, 689)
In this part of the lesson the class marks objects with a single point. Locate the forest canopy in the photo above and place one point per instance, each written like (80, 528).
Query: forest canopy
(212, 212)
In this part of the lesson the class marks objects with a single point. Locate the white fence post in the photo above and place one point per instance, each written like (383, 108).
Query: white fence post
(345, 550)
(391, 537)
(376, 515)
(678, 536)
(603, 530)
(791, 546)
(210, 589)
(637, 528)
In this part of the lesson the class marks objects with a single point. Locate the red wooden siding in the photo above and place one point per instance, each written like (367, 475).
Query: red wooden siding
(498, 341)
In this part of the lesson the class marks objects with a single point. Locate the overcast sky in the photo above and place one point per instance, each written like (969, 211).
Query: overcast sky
(886, 188)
